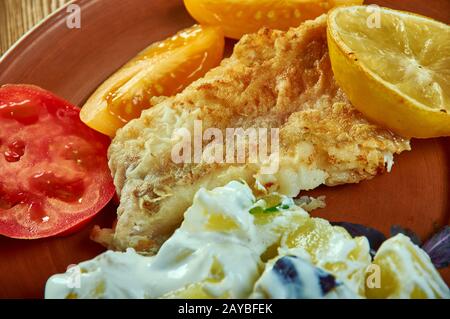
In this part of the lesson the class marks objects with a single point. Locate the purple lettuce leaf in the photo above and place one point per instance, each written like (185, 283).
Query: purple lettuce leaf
(397, 229)
(375, 237)
(438, 248)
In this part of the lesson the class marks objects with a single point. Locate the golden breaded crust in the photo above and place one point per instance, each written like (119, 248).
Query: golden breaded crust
(273, 79)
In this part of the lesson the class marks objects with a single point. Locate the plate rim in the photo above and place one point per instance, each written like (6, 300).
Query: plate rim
(10, 55)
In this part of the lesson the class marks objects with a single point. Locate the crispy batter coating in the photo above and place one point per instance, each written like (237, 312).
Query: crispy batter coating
(273, 79)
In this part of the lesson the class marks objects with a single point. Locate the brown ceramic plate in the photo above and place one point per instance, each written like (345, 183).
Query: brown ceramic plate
(73, 62)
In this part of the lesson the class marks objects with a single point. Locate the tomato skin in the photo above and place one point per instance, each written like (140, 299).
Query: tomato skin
(164, 68)
(54, 176)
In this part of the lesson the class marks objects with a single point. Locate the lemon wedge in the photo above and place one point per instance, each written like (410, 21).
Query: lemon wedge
(394, 66)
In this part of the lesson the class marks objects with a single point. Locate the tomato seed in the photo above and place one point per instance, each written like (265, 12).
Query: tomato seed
(11, 156)
(37, 213)
(18, 147)
(16, 151)
(58, 187)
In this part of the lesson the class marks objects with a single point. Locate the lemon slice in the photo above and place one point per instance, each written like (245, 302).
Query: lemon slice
(394, 66)
(406, 271)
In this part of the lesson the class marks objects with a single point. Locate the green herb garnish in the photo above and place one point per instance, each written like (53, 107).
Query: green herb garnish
(269, 204)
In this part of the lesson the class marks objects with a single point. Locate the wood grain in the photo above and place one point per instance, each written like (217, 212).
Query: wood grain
(19, 16)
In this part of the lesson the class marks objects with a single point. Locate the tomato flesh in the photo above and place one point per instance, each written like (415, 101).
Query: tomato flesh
(163, 69)
(15, 151)
(239, 17)
(54, 174)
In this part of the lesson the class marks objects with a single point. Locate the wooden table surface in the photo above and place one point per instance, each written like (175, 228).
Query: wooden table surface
(18, 16)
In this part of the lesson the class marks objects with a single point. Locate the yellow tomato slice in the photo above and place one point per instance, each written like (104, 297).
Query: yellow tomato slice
(238, 17)
(163, 69)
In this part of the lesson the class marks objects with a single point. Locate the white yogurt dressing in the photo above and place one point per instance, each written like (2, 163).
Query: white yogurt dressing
(300, 279)
(186, 258)
(221, 251)
(218, 247)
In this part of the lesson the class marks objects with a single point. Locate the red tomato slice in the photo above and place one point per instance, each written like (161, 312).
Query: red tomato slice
(54, 173)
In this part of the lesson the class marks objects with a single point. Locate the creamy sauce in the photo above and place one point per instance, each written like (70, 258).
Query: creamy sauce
(218, 247)
(231, 245)
(294, 277)
(188, 257)
(417, 274)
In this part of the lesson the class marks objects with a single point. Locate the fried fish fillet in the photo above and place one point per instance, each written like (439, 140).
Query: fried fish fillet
(273, 79)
